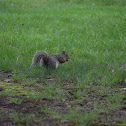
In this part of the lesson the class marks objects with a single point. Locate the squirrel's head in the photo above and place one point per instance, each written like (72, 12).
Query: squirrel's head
(66, 57)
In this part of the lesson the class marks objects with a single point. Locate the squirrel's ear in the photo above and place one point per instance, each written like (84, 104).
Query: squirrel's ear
(63, 52)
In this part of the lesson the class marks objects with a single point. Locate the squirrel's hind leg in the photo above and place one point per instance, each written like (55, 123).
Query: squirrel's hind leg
(55, 64)
(41, 62)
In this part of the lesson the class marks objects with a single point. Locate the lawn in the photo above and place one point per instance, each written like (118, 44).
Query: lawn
(89, 89)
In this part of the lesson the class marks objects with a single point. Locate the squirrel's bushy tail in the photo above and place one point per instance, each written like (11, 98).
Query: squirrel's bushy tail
(38, 58)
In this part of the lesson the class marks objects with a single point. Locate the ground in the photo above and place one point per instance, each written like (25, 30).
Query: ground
(89, 89)
(20, 109)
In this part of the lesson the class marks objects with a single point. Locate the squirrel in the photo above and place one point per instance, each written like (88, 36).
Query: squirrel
(51, 60)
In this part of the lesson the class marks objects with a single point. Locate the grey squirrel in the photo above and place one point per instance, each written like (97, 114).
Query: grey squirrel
(51, 60)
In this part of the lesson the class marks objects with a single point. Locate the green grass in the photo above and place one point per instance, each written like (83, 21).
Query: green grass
(115, 101)
(92, 35)
(92, 32)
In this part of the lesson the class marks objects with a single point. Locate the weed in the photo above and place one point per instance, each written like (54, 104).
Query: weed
(115, 100)
(44, 110)
(21, 118)
(80, 118)
(16, 100)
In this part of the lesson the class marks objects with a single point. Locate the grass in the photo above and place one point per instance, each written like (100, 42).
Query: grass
(115, 101)
(94, 38)
(20, 118)
(92, 32)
